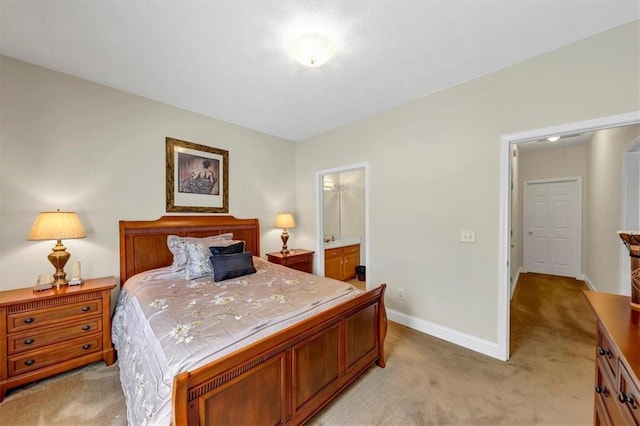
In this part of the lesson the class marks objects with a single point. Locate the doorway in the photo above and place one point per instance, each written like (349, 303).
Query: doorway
(339, 192)
(552, 227)
(507, 142)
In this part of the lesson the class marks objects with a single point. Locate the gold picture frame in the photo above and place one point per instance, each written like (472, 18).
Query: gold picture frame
(197, 178)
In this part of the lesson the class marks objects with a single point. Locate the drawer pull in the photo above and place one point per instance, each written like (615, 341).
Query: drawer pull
(86, 346)
(604, 352)
(86, 308)
(28, 320)
(628, 399)
(602, 390)
(86, 327)
(29, 341)
(30, 362)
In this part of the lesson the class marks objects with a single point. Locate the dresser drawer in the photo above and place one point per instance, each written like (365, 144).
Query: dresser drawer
(606, 352)
(629, 397)
(30, 319)
(606, 393)
(39, 338)
(29, 361)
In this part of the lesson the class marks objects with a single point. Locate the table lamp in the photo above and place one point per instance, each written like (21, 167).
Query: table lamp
(284, 221)
(57, 226)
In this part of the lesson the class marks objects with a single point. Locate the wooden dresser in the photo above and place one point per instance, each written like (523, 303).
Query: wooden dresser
(299, 259)
(617, 389)
(48, 332)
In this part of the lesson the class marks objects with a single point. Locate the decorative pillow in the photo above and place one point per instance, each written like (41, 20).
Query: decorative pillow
(217, 250)
(226, 266)
(177, 248)
(198, 264)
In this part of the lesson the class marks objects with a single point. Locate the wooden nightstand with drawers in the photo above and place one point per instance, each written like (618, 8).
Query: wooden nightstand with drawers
(52, 331)
(299, 259)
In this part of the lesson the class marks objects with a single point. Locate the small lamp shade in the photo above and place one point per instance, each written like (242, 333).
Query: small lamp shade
(284, 221)
(57, 226)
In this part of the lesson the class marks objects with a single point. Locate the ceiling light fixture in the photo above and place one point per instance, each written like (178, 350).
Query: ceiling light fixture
(312, 49)
(553, 138)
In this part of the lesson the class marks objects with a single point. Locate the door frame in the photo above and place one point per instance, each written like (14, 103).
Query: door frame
(319, 258)
(578, 252)
(506, 142)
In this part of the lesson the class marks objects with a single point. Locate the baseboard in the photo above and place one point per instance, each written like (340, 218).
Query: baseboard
(514, 284)
(473, 343)
(588, 282)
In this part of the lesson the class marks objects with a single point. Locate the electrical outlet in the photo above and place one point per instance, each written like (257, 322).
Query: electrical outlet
(468, 236)
(400, 294)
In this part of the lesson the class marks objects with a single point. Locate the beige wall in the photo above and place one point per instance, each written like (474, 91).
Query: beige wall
(435, 170)
(550, 164)
(604, 207)
(70, 144)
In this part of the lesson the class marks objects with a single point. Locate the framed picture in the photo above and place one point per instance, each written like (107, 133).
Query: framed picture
(197, 178)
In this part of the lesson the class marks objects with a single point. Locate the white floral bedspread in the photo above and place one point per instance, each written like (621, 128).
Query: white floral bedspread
(164, 325)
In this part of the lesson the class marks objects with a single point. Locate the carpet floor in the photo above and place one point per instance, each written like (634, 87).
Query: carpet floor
(548, 380)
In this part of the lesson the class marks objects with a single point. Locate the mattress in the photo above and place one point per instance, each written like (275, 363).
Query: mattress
(164, 325)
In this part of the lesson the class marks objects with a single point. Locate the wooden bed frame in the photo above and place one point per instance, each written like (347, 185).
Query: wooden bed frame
(283, 379)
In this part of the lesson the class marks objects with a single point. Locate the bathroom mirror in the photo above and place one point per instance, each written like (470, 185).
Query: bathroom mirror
(343, 214)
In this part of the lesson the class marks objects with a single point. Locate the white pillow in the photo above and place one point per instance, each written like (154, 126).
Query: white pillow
(198, 264)
(177, 247)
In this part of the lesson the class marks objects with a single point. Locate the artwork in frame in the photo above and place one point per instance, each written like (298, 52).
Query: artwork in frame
(197, 178)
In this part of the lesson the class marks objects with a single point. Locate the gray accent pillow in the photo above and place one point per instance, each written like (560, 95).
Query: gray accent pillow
(233, 248)
(226, 266)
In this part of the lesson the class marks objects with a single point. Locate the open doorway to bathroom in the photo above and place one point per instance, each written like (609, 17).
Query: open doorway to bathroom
(343, 223)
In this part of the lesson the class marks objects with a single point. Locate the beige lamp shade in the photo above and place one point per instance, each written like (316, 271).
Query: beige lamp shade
(285, 220)
(56, 226)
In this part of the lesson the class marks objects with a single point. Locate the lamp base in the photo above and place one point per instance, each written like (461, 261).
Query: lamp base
(285, 238)
(58, 258)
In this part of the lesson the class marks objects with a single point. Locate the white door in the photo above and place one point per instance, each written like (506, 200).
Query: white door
(552, 227)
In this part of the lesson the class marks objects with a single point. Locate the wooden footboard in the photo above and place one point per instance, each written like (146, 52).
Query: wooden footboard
(289, 376)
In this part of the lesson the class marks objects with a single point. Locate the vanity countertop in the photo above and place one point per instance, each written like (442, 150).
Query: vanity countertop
(342, 242)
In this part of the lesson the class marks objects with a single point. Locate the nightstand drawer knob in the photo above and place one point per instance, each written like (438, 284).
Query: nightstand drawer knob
(86, 346)
(86, 308)
(86, 327)
(29, 341)
(28, 320)
(30, 362)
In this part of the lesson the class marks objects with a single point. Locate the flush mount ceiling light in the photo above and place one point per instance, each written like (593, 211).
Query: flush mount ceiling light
(312, 49)
(553, 138)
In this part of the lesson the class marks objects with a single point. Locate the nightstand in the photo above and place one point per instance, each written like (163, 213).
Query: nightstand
(299, 259)
(48, 332)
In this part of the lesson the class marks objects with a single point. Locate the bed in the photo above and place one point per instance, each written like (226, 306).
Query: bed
(280, 377)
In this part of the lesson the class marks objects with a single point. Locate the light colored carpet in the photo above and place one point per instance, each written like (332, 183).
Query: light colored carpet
(548, 380)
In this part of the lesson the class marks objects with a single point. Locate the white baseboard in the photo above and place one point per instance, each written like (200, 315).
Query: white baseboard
(588, 282)
(473, 343)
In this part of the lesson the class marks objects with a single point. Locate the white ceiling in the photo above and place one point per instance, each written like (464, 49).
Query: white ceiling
(229, 60)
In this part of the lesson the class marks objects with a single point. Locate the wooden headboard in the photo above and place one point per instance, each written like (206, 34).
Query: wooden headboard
(143, 243)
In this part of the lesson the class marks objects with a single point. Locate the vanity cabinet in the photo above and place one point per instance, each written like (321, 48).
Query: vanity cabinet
(340, 262)
(617, 389)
